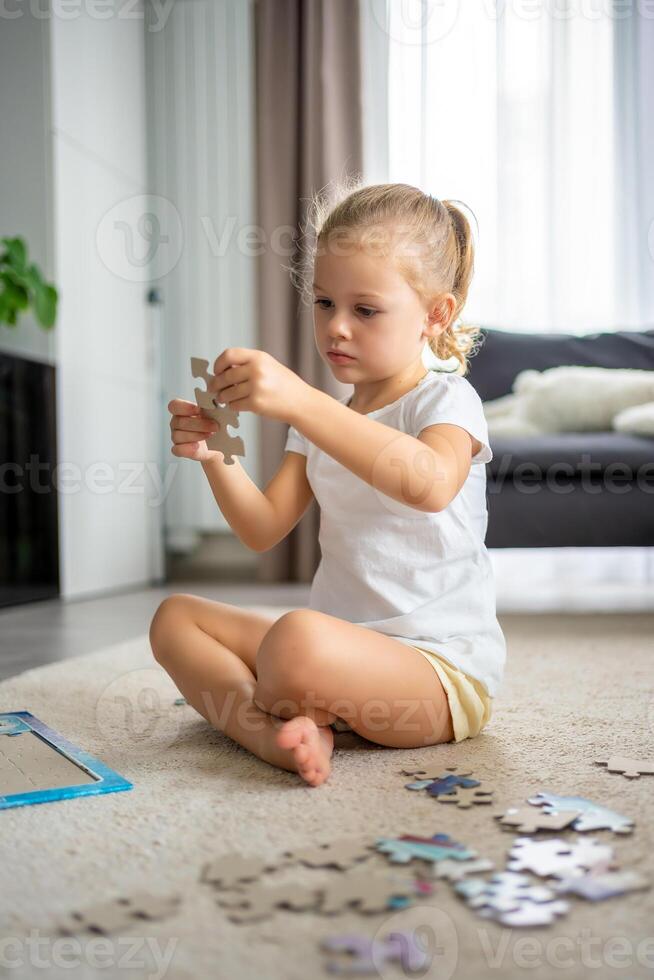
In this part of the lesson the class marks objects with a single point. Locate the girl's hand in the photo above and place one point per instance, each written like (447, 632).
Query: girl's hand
(253, 381)
(189, 430)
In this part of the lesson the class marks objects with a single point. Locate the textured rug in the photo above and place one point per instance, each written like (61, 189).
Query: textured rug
(577, 688)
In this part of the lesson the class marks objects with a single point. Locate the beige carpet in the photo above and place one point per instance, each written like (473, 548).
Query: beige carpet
(576, 688)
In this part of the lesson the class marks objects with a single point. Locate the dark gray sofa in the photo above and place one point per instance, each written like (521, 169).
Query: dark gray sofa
(586, 489)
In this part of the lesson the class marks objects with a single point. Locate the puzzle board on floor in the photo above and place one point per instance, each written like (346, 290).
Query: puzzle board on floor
(38, 765)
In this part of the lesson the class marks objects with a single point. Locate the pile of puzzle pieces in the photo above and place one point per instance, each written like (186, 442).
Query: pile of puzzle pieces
(527, 892)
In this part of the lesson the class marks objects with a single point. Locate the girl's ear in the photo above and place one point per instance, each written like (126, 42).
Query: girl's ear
(440, 315)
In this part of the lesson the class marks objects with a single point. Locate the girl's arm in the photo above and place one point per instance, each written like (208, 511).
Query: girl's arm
(260, 519)
(421, 474)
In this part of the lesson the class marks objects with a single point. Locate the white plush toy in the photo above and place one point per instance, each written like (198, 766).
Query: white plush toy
(575, 399)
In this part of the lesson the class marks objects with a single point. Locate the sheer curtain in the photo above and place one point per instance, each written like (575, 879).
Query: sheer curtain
(540, 118)
(510, 108)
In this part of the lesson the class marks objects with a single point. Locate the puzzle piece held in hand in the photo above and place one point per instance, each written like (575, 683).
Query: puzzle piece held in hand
(631, 768)
(221, 413)
(369, 955)
(591, 815)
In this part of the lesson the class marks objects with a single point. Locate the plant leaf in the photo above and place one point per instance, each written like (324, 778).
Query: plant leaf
(45, 305)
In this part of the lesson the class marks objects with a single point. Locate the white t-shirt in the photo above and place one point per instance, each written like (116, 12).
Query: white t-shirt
(422, 578)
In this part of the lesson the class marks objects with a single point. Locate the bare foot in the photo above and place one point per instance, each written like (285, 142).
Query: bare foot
(312, 746)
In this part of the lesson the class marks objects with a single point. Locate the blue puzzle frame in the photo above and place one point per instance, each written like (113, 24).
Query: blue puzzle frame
(106, 780)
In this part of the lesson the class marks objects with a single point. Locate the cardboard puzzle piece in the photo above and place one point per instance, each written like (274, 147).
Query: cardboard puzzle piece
(464, 797)
(402, 850)
(211, 408)
(342, 854)
(597, 887)
(367, 892)
(261, 902)
(511, 899)
(234, 870)
(502, 892)
(457, 870)
(367, 956)
(631, 768)
(528, 821)
(443, 783)
(120, 913)
(559, 858)
(534, 914)
(591, 815)
(449, 784)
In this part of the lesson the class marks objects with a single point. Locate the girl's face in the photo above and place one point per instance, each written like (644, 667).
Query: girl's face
(364, 307)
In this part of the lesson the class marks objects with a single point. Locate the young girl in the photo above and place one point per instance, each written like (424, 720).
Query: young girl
(401, 641)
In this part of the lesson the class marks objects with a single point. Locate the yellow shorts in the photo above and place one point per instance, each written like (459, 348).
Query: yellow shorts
(470, 705)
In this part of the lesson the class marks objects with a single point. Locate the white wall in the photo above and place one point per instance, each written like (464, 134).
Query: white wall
(104, 345)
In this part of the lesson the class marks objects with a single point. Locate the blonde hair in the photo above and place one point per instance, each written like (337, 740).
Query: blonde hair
(430, 241)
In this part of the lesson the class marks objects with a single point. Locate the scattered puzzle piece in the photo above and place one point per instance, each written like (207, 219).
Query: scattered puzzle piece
(631, 768)
(511, 899)
(211, 408)
(528, 821)
(597, 887)
(502, 892)
(448, 784)
(368, 955)
(119, 914)
(367, 892)
(234, 870)
(534, 914)
(559, 858)
(464, 797)
(259, 903)
(404, 849)
(591, 816)
(343, 854)
(457, 870)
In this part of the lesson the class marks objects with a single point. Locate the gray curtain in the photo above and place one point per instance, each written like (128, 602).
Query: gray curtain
(309, 132)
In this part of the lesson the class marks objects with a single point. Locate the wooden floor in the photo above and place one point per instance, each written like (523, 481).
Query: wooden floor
(38, 633)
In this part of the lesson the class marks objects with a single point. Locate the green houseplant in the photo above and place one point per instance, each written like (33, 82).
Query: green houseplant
(22, 286)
